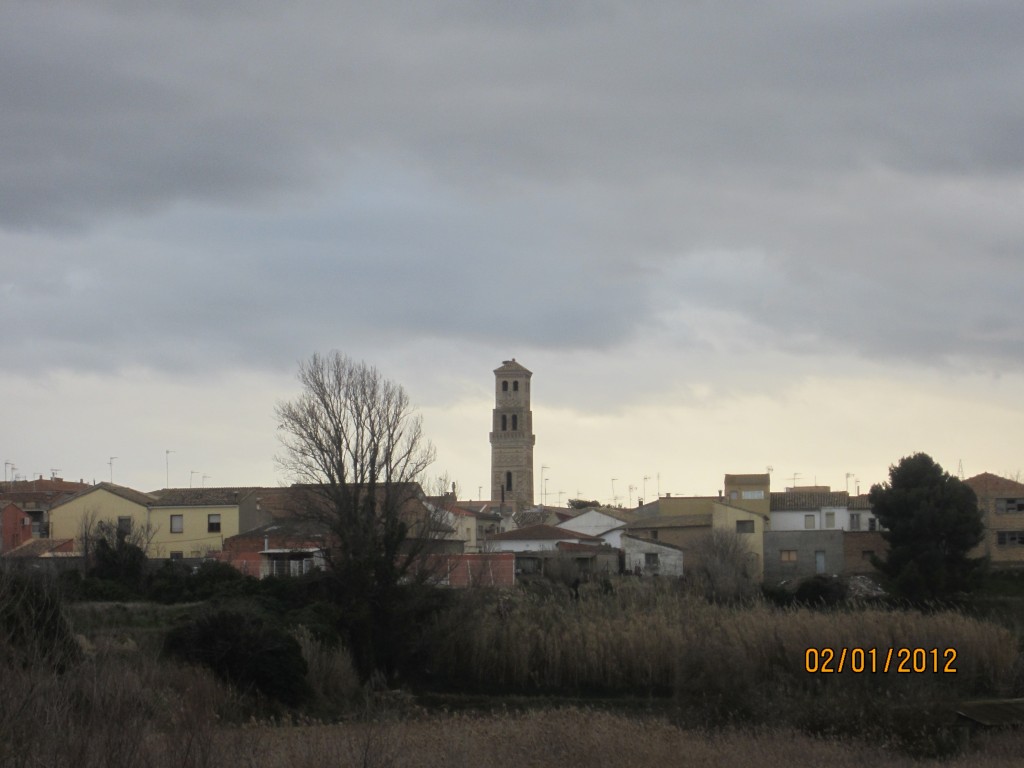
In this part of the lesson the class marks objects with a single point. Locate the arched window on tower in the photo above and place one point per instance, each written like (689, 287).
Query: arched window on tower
(508, 481)
(504, 423)
(515, 422)
(504, 386)
(515, 386)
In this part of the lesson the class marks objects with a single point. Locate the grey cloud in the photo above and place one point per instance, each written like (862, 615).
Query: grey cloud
(209, 184)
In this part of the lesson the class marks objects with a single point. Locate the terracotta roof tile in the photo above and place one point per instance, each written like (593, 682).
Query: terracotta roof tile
(989, 486)
(542, 533)
(799, 501)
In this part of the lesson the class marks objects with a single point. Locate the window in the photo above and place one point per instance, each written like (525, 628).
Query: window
(504, 423)
(177, 555)
(855, 521)
(1009, 506)
(830, 519)
(124, 526)
(508, 481)
(787, 555)
(654, 533)
(528, 564)
(733, 495)
(515, 422)
(744, 526)
(867, 554)
(1009, 538)
(515, 386)
(753, 494)
(177, 523)
(808, 522)
(651, 562)
(213, 523)
(872, 524)
(504, 386)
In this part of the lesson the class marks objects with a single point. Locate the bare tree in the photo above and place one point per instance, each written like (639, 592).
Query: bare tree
(725, 565)
(356, 451)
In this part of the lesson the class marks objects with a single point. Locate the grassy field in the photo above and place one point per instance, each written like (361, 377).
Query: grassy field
(643, 674)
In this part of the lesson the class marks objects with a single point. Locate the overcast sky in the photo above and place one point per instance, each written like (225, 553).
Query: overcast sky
(723, 236)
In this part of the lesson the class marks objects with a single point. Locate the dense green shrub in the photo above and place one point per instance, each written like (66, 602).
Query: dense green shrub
(246, 650)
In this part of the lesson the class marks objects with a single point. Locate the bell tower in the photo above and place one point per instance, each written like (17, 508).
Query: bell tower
(512, 437)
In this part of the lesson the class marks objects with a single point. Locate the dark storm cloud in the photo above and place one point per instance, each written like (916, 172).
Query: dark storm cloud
(184, 184)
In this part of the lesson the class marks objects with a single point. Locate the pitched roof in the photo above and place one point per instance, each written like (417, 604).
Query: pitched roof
(860, 502)
(988, 486)
(200, 497)
(289, 527)
(53, 485)
(800, 500)
(511, 366)
(671, 521)
(37, 547)
(574, 546)
(138, 497)
(541, 533)
(654, 542)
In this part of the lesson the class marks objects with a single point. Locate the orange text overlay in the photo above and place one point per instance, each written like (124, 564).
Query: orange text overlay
(899, 660)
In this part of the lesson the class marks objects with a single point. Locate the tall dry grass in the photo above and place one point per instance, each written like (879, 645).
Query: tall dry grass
(725, 664)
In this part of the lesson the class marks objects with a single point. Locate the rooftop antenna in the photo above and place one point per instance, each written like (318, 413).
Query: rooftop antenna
(848, 476)
(480, 492)
(646, 478)
(205, 478)
(53, 473)
(167, 467)
(111, 464)
(192, 473)
(630, 492)
(543, 468)
(560, 495)
(795, 476)
(614, 497)
(544, 497)
(6, 465)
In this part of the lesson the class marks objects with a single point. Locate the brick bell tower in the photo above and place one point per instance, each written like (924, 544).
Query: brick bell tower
(512, 437)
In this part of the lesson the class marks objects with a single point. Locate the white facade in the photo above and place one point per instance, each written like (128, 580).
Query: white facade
(651, 558)
(593, 522)
(823, 519)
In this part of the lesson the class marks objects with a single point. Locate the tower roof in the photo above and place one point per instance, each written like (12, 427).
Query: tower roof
(511, 366)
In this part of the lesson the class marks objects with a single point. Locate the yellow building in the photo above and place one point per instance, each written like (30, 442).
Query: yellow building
(686, 521)
(171, 523)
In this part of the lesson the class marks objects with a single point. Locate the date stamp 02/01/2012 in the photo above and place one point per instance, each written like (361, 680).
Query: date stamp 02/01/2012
(864, 660)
